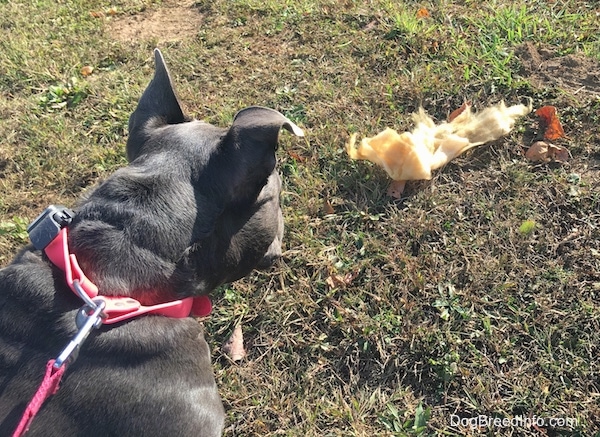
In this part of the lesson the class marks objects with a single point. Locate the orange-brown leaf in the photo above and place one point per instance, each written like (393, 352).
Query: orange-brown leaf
(86, 70)
(422, 13)
(295, 156)
(550, 123)
(458, 111)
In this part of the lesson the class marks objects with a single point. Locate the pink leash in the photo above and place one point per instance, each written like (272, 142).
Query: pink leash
(47, 388)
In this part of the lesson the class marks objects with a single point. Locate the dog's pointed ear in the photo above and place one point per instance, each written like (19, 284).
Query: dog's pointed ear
(159, 103)
(251, 143)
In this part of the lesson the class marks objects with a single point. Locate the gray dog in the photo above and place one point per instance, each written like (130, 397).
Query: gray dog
(197, 206)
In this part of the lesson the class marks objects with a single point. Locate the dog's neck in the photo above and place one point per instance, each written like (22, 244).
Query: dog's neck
(115, 308)
(128, 238)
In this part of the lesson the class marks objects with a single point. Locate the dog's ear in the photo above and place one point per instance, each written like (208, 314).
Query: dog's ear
(253, 138)
(158, 104)
(263, 124)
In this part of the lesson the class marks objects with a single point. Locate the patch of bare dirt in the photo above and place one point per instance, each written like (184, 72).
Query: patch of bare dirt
(174, 20)
(575, 73)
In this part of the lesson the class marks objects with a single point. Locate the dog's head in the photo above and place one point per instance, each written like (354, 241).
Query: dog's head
(197, 206)
(247, 149)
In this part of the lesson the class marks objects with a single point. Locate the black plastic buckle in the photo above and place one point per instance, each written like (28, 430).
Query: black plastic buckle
(48, 224)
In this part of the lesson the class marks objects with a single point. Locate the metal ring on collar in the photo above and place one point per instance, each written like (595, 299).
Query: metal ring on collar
(83, 295)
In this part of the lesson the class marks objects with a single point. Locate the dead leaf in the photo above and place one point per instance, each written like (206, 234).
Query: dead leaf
(340, 281)
(234, 346)
(541, 151)
(396, 189)
(370, 26)
(458, 111)
(97, 14)
(550, 123)
(422, 13)
(112, 11)
(295, 156)
(328, 207)
(538, 152)
(87, 70)
(558, 153)
(330, 281)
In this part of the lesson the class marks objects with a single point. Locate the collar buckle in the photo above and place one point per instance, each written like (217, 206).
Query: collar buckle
(48, 224)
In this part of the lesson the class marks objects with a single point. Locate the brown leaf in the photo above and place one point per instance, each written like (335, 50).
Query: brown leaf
(97, 14)
(370, 26)
(234, 346)
(458, 111)
(546, 152)
(396, 189)
(86, 70)
(340, 281)
(538, 152)
(558, 153)
(296, 156)
(328, 207)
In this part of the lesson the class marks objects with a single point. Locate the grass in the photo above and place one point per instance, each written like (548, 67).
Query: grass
(476, 294)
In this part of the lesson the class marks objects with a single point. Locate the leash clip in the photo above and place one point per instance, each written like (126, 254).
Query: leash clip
(90, 303)
(87, 319)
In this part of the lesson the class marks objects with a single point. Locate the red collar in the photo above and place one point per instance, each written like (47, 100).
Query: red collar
(119, 308)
